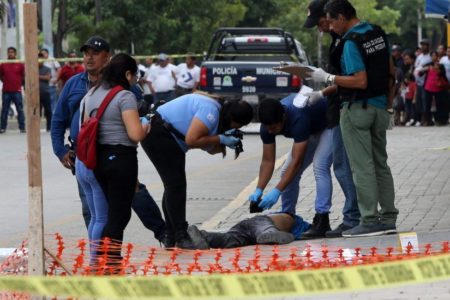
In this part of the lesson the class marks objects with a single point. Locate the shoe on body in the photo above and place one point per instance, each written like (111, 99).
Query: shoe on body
(197, 237)
(370, 230)
(337, 232)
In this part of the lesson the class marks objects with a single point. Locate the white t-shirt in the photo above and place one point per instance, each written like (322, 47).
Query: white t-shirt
(53, 66)
(147, 78)
(162, 79)
(187, 78)
(445, 60)
(421, 60)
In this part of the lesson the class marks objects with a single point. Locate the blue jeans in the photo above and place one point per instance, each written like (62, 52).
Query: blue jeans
(97, 203)
(289, 196)
(323, 158)
(53, 96)
(7, 99)
(343, 174)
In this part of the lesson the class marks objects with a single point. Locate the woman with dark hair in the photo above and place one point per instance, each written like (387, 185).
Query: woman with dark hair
(188, 122)
(436, 88)
(119, 132)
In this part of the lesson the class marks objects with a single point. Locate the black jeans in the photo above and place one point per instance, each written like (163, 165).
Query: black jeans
(117, 171)
(46, 105)
(242, 234)
(170, 162)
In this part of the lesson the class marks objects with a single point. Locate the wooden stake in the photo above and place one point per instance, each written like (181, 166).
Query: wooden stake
(33, 120)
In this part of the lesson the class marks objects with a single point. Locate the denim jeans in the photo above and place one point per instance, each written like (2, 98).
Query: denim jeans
(97, 203)
(84, 206)
(7, 99)
(344, 176)
(289, 196)
(53, 96)
(323, 158)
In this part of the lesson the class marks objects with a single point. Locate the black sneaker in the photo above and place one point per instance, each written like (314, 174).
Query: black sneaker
(275, 238)
(2, 130)
(184, 241)
(369, 230)
(337, 232)
(169, 240)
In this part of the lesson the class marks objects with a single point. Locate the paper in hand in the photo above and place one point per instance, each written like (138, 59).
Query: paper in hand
(301, 100)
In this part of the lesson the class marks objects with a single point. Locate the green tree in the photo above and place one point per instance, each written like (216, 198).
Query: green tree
(292, 20)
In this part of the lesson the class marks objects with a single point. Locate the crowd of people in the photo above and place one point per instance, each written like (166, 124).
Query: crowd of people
(343, 126)
(422, 82)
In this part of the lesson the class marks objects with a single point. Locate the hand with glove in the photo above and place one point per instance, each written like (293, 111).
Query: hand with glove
(255, 196)
(270, 199)
(313, 97)
(145, 124)
(320, 76)
(228, 140)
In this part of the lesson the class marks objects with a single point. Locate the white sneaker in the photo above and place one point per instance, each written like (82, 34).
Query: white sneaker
(417, 124)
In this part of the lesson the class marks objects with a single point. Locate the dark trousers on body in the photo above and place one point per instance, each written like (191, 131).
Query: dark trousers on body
(169, 160)
(117, 171)
(242, 234)
(45, 100)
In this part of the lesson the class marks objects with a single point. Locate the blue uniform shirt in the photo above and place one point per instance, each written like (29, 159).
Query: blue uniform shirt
(67, 112)
(300, 123)
(180, 112)
(352, 62)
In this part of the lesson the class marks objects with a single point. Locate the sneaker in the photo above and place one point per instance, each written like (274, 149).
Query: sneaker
(2, 130)
(338, 231)
(23, 131)
(369, 230)
(275, 238)
(418, 124)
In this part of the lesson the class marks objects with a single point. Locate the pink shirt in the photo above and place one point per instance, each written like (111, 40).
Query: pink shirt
(431, 83)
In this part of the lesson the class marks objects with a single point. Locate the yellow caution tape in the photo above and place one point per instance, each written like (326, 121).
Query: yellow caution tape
(310, 282)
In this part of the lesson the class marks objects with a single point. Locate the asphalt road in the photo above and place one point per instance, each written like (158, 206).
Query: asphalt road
(212, 183)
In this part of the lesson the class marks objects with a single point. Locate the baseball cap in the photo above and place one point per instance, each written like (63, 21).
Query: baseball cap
(425, 41)
(97, 43)
(315, 12)
(162, 56)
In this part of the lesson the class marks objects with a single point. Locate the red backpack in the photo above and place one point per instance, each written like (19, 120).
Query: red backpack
(87, 137)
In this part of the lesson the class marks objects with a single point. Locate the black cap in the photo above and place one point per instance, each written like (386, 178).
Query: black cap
(97, 43)
(315, 12)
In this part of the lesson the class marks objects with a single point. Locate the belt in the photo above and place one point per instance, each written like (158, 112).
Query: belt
(157, 119)
(184, 89)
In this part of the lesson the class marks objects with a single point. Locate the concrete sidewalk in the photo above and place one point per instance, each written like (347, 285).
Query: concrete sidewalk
(420, 162)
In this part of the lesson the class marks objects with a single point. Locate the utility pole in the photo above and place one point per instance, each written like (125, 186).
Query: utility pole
(419, 26)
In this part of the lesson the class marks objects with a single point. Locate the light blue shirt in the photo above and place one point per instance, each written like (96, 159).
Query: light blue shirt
(352, 62)
(181, 111)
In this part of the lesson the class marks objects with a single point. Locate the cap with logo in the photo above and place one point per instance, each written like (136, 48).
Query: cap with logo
(97, 43)
(315, 12)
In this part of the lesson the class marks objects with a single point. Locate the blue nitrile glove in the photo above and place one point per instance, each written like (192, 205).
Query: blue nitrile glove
(229, 141)
(230, 131)
(144, 120)
(255, 196)
(270, 199)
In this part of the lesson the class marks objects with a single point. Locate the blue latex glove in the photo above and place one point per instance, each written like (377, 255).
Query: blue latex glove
(229, 141)
(230, 131)
(270, 199)
(144, 120)
(256, 194)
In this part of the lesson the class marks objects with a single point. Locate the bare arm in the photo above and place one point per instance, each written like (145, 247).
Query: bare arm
(355, 81)
(267, 165)
(298, 154)
(135, 130)
(197, 135)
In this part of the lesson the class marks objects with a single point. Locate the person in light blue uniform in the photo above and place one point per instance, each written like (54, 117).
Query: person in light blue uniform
(191, 121)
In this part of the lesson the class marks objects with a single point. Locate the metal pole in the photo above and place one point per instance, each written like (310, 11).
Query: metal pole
(35, 205)
(419, 26)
